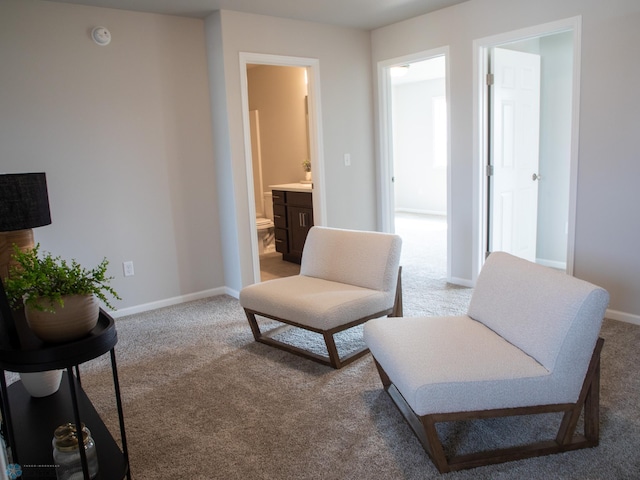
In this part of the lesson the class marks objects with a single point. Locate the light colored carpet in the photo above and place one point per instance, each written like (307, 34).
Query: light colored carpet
(203, 401)
(424, 267)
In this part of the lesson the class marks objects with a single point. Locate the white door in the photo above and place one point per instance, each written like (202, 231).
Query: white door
(514, 149)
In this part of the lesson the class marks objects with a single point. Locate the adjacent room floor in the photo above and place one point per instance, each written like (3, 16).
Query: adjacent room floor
(424, 248)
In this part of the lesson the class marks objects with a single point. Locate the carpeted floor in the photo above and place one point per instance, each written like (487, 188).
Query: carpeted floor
(203, 401)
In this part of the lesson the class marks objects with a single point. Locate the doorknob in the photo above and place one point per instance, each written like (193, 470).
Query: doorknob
(535, 177)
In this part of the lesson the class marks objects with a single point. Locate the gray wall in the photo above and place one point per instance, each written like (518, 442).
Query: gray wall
(607, 226)
(123, 133)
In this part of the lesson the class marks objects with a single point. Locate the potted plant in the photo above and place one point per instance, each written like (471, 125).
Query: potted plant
(60, 298)
(306, 166)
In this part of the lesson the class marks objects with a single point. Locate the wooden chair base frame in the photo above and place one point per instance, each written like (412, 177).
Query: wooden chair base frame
(425, 426)
(333, 359)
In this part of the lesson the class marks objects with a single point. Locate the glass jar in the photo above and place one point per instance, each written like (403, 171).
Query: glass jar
(66, 452)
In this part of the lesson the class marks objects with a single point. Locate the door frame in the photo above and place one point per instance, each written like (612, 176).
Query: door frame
(386, 204)
(481, 49)
(315, 138)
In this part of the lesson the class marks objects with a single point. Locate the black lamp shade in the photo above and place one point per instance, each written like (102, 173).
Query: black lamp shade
(24, 201)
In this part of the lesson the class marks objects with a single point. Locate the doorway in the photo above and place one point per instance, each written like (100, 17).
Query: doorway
(281, 129)
(279, 144)
(415, 158)
(527, 138)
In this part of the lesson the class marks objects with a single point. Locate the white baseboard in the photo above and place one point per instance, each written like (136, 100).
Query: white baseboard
(421, 212)
(145, 307)
(622, 316)
(552, 263)
(232, 293)
(463, 282)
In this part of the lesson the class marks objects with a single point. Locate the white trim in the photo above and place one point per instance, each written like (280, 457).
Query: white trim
(385, 151)
(575, 142)
(480, 70)
(385, 147)
(552, 263)
(463, 282)
(435, 213)
(622, 316)
(167, 302)
(315, 138)
(479, 185)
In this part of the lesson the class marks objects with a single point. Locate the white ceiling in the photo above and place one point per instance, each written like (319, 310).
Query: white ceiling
(364, 14)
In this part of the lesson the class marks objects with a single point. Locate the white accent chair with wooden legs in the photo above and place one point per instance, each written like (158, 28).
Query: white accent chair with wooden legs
(346, 278)
(528, 345)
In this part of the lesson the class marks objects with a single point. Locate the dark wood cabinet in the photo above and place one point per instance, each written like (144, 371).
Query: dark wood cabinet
(292, 217)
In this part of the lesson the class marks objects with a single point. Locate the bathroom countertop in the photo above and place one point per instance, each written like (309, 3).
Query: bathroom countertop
(293, 187)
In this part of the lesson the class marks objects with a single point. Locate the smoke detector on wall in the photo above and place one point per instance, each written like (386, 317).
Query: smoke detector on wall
(101, 36)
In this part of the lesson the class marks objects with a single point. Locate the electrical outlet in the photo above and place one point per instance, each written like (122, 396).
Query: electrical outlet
(347, 159)
(127, 267)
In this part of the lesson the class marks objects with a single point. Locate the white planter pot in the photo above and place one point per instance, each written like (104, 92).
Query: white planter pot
(41, 384)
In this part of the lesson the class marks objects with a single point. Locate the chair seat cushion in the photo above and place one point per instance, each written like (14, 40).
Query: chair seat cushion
(314, 302)
(473, 367)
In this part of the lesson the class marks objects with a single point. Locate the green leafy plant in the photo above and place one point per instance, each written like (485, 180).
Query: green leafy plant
(41, 281)
(306, 165)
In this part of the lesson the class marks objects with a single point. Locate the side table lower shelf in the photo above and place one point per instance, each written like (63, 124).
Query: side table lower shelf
(39, 417)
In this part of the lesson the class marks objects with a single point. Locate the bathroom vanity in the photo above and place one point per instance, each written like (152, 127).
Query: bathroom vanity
(292, 217)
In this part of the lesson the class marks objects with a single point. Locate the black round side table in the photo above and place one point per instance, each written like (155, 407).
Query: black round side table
(29, 422)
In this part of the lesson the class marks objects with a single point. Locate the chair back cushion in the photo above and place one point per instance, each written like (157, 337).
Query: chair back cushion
(535, 307)
(365, 259)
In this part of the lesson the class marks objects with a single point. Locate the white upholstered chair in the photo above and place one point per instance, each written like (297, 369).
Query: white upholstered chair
(346, 278)
(528, 345)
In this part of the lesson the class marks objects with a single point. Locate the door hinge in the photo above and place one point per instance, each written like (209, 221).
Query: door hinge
(489, 170)
(489, 78)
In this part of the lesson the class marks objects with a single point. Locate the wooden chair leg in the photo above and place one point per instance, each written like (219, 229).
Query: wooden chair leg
(333, 358)
(397, 305)
(433, 445)
(332, 350)
(253, 323)
(592, 410)
(589, 393)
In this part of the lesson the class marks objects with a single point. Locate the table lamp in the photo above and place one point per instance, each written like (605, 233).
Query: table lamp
(24, 204)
